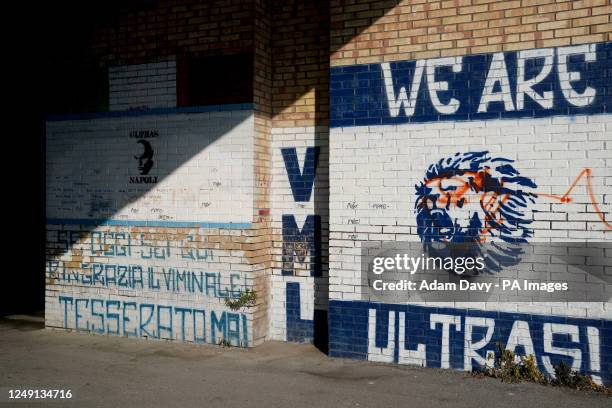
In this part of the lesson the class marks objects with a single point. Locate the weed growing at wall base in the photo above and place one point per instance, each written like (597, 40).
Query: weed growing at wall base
(512, 369)
(248, 298)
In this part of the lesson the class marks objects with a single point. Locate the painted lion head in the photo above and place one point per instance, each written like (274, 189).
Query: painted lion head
(473, 198)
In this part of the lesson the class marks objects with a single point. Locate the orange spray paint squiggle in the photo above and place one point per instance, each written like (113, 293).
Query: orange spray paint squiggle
(565, 198)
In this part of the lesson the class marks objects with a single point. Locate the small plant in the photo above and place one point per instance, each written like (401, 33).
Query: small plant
(565, 377)
(224, 343)
(531, 370)
(563, 374)
(511, 368)
(247, 298)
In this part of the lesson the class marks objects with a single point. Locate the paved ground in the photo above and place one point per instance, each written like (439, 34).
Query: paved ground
(117, 372)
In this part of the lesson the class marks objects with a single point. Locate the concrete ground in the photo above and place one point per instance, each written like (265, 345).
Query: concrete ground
(117, 372)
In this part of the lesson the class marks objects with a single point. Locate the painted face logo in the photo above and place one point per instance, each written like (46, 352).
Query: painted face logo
(471, 198)
(145, 160)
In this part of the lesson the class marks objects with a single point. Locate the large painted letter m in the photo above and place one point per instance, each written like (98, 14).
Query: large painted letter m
(299, 244)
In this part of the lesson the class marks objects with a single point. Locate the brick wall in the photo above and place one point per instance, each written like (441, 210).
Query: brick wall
(149, 225)
(300, 223)
(185, 233)
(365, 31)
(288, 41)
(262, 105)
(334, 151)
(142, 86)
(389, 131)
(165, 29)
(300, 38)
(299, 179)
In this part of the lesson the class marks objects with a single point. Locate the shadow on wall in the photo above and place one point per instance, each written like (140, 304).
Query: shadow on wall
(307, 58)
(98, 169)
(321, 208)
(301, 47)
(300, 89)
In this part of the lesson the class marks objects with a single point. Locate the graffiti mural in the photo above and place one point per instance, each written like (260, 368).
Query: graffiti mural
(470, 197)
(298, 244)
(499, 151)
(145, 223)
(489, 192)
(301, 182)
(301, 247)
(126, 169)
(529, 83)
(298, 330)
(147, 320)
(567, 197)
(465, 339)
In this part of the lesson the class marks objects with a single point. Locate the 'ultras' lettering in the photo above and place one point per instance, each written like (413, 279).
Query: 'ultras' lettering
(465, 340)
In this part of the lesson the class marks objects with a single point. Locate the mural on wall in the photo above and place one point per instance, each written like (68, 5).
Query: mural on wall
(464, 339)
(145, 212)
(298, 243)
(524, 84)
(470, 197)
(97, 269)
(300, 246)
(150, 320)
(144, 159)
(298, 329)
(546, 108)
(488, 189)
(151, 168)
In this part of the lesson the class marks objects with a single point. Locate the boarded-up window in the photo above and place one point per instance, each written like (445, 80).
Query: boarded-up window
(215, 80)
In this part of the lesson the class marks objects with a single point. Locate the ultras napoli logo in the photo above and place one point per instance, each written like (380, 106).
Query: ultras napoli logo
(144, 159)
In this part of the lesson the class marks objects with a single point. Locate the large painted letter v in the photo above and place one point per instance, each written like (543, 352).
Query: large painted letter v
(301, 181)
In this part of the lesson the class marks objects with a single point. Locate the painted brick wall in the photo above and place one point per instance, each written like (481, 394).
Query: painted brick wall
(172, 167)
(142, 86)
(299, 189)
(148, 282)
(148, 225)
(195, 223)
(345, 184)
(300, 196)
(170, 32)
(380, 153)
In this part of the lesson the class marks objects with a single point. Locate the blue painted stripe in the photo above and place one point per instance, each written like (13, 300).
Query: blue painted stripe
(349, 334)
(153, 111)
(151, 223)
(358, 93)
